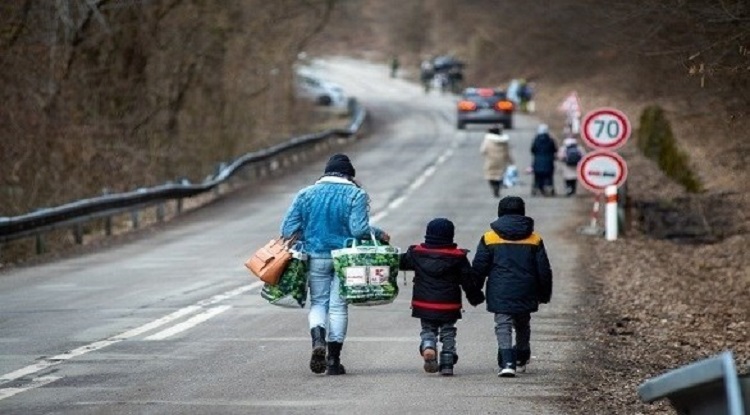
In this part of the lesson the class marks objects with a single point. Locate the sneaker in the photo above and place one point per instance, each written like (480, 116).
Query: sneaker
(507, 372)
(520, 367)
(430, 360)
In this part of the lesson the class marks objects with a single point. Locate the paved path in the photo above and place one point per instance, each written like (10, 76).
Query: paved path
(171, 323)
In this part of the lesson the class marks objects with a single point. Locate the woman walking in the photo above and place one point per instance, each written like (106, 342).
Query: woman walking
(324, 215)
(496, 153)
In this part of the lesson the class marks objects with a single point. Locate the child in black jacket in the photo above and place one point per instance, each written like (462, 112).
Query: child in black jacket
(513, 259)
(441, 269)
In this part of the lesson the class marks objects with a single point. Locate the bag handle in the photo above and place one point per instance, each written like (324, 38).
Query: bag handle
(288, 243)
(354, 241)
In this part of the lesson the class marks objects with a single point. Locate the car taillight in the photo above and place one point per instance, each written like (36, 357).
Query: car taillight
(504, 105)
(467, 106)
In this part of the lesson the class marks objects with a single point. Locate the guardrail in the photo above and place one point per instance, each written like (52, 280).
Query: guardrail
(707, 387)
(76, 213)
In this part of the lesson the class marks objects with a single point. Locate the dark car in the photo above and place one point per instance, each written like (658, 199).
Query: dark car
(485, 106)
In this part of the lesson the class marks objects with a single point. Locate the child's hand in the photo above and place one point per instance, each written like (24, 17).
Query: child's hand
(476, 299)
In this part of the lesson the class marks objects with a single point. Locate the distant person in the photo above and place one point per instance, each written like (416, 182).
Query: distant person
(394, 66)
(441, 270)
(512, 258)
(496, 154)
(426, 72)
(526, 96)
(544, 150)
(325, 215)
(512, 92)
(570, 154)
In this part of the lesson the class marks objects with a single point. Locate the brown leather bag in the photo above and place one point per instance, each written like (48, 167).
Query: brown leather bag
(270, 261)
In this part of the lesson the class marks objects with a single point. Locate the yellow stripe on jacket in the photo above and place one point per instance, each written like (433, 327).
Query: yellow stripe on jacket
(492, 238)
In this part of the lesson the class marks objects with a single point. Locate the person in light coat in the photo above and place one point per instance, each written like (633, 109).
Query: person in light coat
(569, 170)
(496, 153)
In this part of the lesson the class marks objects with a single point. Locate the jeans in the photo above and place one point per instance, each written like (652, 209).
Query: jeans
(327, 308)
(431, 329)
(504, 325)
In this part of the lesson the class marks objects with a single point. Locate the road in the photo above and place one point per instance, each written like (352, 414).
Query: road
(172, 323)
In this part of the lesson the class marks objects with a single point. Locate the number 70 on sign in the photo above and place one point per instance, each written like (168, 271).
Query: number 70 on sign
(605, 129)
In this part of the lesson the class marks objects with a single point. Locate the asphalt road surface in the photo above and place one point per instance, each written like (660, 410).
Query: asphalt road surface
(172, 323)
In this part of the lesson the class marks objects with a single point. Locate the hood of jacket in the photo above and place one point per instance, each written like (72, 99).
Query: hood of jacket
(497, 138)
(513, 227)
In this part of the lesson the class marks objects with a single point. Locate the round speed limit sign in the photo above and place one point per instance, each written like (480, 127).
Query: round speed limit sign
(606, 129)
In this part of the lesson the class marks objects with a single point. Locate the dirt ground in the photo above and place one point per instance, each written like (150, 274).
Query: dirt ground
(676, 287)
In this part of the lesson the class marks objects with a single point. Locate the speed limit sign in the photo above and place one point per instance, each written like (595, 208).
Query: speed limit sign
(606, 129)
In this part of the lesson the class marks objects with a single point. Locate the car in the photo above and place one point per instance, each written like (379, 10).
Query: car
(320, 91)
(485, 106)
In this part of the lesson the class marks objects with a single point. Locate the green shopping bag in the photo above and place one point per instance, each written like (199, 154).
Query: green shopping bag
(367, 272)
(291, 290)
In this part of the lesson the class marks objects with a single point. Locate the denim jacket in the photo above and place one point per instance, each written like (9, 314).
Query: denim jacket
(328, 213)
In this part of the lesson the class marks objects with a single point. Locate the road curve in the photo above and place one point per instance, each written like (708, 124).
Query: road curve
(171, 323)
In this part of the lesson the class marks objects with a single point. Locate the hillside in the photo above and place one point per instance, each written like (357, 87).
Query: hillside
(117, 94)
(656, 301)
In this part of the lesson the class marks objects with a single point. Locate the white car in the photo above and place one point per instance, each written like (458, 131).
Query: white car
(320, 91)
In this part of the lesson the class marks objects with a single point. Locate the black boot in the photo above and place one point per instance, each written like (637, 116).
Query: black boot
(428, 350)
(446, 363)
(334, 359)
(318, 358)
(506, 361)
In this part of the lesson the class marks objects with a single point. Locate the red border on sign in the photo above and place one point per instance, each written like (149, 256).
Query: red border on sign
(615, 113)
(598, 153)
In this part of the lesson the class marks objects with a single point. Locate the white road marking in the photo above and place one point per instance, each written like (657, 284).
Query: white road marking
(35, 383)
(56, 360)
(191, 322)
(416, 184)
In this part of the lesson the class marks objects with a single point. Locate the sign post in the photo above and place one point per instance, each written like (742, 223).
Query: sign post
(605, 130)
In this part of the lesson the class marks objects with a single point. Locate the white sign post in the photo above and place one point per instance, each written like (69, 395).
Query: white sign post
(598, 171)
(610, 213)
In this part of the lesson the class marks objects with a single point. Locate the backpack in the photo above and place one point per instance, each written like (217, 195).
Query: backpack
(572, 155)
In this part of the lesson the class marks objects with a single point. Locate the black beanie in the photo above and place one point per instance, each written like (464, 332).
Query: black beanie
(340, 163)
(511, 205)
(440, 232)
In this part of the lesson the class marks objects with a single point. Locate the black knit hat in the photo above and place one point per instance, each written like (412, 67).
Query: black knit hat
(340, 163)
(511, 205)
(440, 232)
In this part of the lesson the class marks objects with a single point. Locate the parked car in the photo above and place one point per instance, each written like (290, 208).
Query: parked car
(320, 91)
(484, 106)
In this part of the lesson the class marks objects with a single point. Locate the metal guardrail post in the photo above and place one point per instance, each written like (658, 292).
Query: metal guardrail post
(78, 234)
(40, 247)
(134, 218)
(160, 212)
(707, 387)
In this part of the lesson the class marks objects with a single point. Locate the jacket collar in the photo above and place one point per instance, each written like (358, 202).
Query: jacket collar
(334, 179)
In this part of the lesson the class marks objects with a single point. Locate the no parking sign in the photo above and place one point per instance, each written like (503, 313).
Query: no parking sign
(600, 169)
